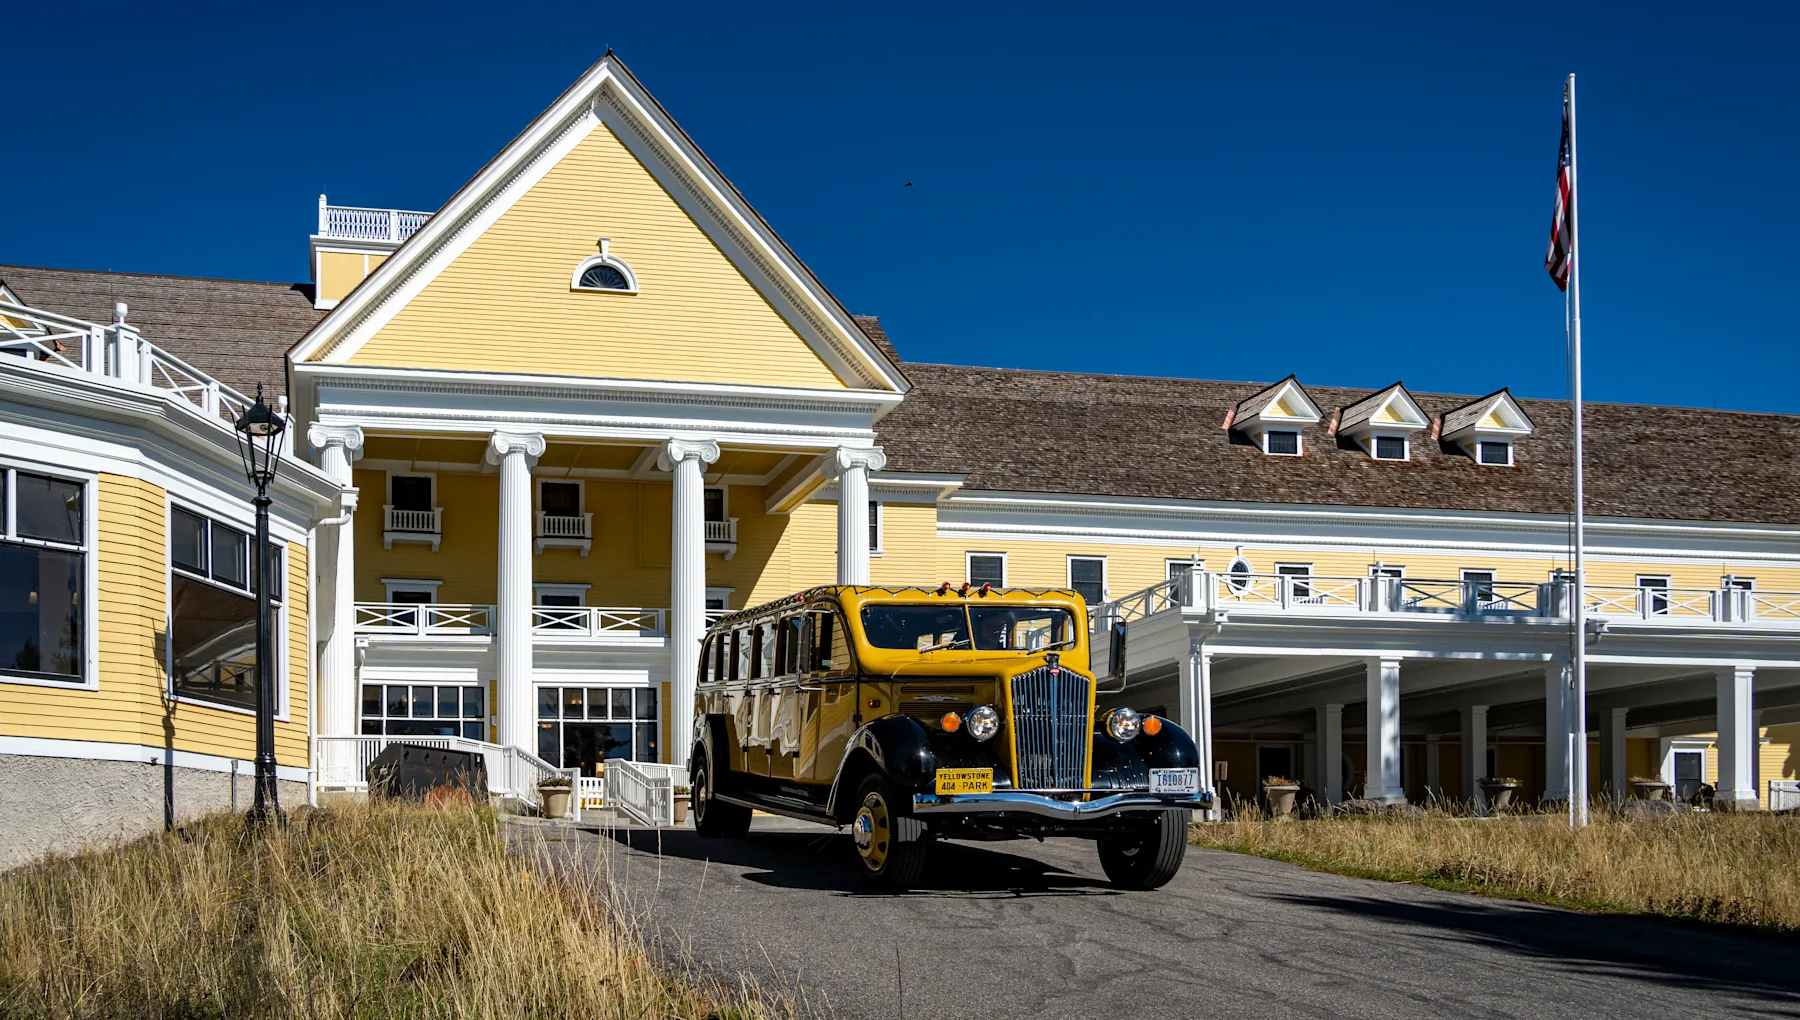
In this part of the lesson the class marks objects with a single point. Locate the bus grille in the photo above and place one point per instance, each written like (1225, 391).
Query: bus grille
(1050, 728)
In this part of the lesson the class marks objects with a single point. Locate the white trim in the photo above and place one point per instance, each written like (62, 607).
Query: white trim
(1476, 446)
(1380, 569)
(98, 750)
(1105, 577)
(90, 565)
(1299, 441)
(1374, 445)
(398, 584)
(603, 259)
(443, 676)
(968, 571)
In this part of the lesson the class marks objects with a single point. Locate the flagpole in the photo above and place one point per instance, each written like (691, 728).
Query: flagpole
(1577, 737)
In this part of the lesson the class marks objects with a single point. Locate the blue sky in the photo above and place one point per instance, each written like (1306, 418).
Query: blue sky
(1356, 193)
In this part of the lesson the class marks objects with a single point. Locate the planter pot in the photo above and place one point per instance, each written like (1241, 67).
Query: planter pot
(555, 800)
(1499, 797)
(1281, 800)
(681, 806)
(1651, 791)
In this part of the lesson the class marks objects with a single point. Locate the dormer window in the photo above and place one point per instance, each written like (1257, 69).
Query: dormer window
(1486, 429)
(1383, 423)
(604, 272)
(1274, 418)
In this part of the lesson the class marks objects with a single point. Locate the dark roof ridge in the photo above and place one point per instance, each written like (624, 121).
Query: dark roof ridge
(4, 266)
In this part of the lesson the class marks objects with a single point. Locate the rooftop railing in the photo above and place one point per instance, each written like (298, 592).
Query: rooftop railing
(355, 223)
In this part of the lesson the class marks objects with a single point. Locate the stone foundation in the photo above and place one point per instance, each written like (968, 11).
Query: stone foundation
(65, 804)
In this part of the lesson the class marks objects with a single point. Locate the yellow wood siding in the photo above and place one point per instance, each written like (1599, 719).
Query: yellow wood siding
(339, 272)
(505, 303)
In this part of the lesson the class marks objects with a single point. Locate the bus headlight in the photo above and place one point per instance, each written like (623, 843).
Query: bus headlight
(983, 722)
(1123, 724)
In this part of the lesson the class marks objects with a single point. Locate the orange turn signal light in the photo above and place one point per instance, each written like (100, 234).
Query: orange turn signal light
(952, 722)
(1152, 726)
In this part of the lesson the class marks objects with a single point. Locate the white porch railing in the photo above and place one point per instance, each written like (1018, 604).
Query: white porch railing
(552, 526)
(598, 621)
(643, 791)
(722, 531)
(512, 772)
(426, 522)
(433, 620)
(1784, 795)
(116, 351)
(353, 223)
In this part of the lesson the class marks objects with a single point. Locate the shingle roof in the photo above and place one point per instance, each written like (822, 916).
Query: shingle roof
(1361, 410)
(236, 331)
(1146, 437)
(1262, 398)
(1457, 419)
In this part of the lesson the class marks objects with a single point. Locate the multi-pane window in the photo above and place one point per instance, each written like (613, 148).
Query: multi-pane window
(560, 499)
(1087, 575)
(425, 710)
(1282, 443)
(1299, 578)
(987, 568)
(1478, 586)
(1655, 593)
(212, 610)
(43, 546)
(579, 727)
(1740, 583)
(1390, 448)
(411, 492)
(874, 526)
(1387, 570)
(1496, 454)
(714, 505)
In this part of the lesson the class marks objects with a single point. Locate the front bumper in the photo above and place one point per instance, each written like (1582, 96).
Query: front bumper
(1019, 802)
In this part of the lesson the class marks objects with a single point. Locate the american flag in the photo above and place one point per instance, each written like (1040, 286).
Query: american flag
(1562, 225)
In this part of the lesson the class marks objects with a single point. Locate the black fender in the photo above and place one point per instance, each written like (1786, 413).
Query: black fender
(1126, 764)
(908, 754)
(712, 745)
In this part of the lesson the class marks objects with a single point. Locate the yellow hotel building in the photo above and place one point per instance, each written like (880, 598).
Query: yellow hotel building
(545, 430)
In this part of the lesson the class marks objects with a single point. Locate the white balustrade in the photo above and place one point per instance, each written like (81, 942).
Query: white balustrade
(427, 620)
(1784, 795)
(598, 621)
(553, 526)
(643, 791)
(353, 223)
(722, 531)
(424, 522)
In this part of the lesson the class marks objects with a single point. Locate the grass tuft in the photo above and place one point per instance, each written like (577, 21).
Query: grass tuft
(364, 910)
(1732, 869)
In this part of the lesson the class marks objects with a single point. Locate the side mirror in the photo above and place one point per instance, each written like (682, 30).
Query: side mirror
(1115, 655)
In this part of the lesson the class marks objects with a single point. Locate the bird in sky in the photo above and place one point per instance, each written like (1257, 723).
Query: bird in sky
(909, 184)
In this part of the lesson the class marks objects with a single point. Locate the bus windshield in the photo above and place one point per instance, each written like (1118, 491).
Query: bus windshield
(995, 628)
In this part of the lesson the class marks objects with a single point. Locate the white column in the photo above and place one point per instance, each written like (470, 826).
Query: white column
(687, 584)
(1331, 752)
(1474, 754)
(1612, 754)
(1383, 782)
(338, 446)
(851, 468)
(1737, 738)
(1194, 705)
(1556, 732)
(515, 452)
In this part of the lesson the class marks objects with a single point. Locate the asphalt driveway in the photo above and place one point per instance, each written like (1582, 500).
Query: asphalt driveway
(1028, 929)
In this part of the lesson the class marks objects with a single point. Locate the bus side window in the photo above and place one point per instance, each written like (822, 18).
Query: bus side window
(783, 650)
(822, 635)
(715, 668)
(706, 661)
(794, 642)
(739, 655)
(756, 654)
(765, 635)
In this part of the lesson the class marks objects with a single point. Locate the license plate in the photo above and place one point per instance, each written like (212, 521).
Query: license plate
(1174, 780)
(965, 780)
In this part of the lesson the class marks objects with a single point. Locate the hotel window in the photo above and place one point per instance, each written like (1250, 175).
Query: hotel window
(1494, 454)
(1390, 448)
(1386, 570)
(1300, 574)
(714, 506)
(987, 568)
(580, 727)
(874, 528)
(1740, 583)
(1478, 587)
(212, 612)
(410, 492)
(1087, 575)
(1654, 589)
(560, 499)
(1281, 443)
(425, 710)
(43, 551)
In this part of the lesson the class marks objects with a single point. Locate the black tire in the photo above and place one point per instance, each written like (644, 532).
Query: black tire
(1150, 858)
(713, 818)
(890, 844)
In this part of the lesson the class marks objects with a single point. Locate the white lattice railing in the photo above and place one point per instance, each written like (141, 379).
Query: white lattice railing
(433, 620)
(597, 621)
(1772, 605)
(116, 351)
(512, 773)
(424, 522)
(1647, 601)
(354, 223)
(554, 526)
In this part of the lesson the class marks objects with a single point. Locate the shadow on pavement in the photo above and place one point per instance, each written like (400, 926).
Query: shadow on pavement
(1634, 948)
(825, 861)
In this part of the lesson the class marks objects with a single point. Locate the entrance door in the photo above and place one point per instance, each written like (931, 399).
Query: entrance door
(586, 745)
(1690, 772)
(1274, 760)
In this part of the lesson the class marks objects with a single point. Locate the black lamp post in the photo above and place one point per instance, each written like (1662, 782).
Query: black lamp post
(259, 432)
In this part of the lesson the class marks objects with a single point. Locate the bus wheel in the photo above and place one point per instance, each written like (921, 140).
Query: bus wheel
(713, 817)
(889, 845)
(1147, 859)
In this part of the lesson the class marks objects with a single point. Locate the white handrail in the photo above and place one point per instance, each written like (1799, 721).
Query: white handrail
(595, 621)
(355, 223)
(645, 795)
(512, 772)
(421, 620)
(1784, 795)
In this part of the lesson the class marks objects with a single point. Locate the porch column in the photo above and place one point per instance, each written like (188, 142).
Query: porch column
(1737, 739)
(1331, 753)
(1194, 703)
(1383, 782)
(1557, 702)
(687, 584)
(339, 446)
(515, 452)
(1474, 754)
(1612, 754)
(851, 468)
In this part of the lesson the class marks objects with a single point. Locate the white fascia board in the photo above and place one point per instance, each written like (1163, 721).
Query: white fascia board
(1509, 410)
(943, 484)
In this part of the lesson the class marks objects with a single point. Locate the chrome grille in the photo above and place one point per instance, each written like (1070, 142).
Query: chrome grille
(1050, 728)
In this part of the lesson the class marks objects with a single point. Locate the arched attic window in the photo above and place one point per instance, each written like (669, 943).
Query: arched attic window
(605, 272)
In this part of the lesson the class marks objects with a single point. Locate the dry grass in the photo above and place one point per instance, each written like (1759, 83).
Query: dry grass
(1728, 868)
(360, 911)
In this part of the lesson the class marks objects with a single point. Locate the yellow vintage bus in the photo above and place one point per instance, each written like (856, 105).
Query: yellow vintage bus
(914, 714)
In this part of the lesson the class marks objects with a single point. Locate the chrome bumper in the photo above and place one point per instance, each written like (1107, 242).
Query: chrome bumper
(1020, 803)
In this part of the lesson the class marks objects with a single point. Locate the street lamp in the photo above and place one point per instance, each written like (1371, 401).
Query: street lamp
(259, 431)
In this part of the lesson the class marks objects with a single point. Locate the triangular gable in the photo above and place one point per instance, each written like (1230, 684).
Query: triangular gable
(1286, 400)
(736, 278)
(1497, 414)
(1392, 408)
